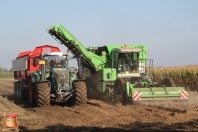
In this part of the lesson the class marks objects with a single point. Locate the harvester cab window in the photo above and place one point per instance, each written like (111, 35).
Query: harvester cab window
(127, 62)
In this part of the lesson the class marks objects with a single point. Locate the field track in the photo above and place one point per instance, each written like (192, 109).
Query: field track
(99, 116)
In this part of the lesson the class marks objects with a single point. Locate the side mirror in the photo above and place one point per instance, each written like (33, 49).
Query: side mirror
(35, 62)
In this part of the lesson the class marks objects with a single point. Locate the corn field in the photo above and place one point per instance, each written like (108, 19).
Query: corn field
(186, 76)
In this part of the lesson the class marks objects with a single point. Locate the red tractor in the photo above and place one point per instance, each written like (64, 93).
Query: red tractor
(44, 74)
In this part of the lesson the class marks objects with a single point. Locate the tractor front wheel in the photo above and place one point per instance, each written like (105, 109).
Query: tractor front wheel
(80, 92)
(42, 94)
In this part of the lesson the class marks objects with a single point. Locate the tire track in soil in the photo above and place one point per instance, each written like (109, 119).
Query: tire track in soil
(6, 87)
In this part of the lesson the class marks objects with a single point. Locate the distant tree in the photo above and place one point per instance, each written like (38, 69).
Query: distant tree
(11, 70)
(3, 69)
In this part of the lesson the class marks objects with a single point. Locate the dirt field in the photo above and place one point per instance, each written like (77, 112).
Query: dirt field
(98, 116)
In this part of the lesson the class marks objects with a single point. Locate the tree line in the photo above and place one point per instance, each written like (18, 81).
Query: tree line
(4, 70)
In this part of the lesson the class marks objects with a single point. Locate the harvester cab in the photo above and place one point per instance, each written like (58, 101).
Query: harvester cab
(134, 78)
(128, 64)
(116, 71)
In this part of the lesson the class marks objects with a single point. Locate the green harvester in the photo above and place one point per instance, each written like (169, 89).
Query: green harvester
(118, 72)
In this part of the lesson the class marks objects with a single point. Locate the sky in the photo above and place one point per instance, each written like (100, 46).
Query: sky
(169, 28)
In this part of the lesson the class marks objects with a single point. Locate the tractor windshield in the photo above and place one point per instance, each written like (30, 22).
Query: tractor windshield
(128, 62)
(56, 61)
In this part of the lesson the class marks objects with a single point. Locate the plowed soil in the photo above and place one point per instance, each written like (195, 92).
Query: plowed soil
(99, 116)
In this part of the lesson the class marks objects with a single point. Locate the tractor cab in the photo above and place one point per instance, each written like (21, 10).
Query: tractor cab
(57, 70)
(56, 60)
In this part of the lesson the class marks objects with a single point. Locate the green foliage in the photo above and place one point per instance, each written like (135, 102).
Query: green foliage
(6, 75)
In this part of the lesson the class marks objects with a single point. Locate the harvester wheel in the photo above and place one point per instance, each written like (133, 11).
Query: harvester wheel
(119, 93)
(80, 92)
(168, 82)
(43, 94)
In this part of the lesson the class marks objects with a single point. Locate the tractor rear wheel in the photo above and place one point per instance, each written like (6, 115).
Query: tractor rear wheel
(80, 92)
(20, 86)
(43, 94)
(15, 91)
(119, 93)
(168, 82)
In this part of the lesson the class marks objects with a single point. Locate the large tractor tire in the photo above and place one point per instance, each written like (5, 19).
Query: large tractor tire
(80, 92)
(168, 82)
(15, 91)
(42, 94)
(20, 87)
(119, 93)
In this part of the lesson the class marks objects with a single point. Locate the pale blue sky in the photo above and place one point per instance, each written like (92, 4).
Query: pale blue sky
(169, 28)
